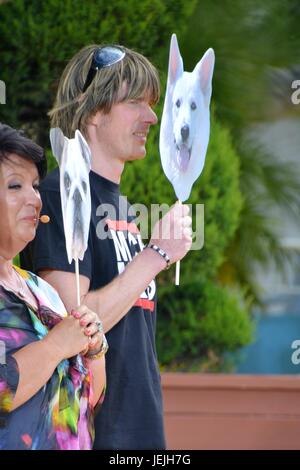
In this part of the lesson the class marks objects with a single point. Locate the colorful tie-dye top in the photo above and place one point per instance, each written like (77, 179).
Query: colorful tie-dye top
(60, 414)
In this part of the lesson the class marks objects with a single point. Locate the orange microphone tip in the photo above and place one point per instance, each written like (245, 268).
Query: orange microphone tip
(44, 219)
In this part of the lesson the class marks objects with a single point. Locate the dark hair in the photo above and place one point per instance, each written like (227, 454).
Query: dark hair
(13, 141)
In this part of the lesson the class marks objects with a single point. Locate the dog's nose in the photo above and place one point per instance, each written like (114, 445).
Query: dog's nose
(185, 130)
(77, 197)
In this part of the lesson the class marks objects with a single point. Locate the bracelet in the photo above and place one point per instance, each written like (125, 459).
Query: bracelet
(161, 253)
(97, 354)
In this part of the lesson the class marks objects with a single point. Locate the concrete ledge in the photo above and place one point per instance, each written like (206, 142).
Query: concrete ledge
(223, 411)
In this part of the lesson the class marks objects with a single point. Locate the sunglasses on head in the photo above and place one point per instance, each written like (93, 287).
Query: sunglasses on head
(103, 57)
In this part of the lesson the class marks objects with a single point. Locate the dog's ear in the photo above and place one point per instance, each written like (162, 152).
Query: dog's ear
(204, 69)
(85, 149)
(57, 140)
(175, 61)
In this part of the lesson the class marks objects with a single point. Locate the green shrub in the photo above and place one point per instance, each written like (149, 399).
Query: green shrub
(39, 37)
(200, 326)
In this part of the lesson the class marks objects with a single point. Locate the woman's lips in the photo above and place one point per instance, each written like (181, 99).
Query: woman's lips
(31, 218)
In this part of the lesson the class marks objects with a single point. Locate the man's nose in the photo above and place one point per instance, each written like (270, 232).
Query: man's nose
(151, 117)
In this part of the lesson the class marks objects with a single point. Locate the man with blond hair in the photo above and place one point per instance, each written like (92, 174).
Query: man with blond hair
(108, 93)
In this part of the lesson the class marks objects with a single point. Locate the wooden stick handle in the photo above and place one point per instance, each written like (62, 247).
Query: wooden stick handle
(77, 282)
(177, 272)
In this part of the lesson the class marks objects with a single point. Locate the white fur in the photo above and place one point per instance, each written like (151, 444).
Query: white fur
(184, 132)
(74, 159)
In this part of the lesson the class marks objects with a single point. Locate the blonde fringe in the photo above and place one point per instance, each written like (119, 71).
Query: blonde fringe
(72, 108)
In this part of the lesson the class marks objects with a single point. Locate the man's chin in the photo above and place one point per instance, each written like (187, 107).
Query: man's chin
(137, 156)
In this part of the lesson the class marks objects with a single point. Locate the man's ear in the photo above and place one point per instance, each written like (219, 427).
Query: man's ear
(85, 149)
(204, 69)
(175, 62)
(57, 140)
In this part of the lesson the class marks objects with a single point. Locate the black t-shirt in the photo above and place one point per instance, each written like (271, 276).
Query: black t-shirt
(131, 416)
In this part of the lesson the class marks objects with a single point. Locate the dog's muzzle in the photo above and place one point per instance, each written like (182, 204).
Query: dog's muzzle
(183, 155)
(78, 234)
(185, 132)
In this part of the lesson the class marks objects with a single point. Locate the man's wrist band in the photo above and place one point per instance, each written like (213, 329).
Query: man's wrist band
(100, 352)
(161, 253)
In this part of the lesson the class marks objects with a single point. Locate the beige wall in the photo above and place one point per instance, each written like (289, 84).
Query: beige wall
(218, 411)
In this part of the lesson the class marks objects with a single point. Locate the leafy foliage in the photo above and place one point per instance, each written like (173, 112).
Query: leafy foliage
(38, 38)
(252, 39)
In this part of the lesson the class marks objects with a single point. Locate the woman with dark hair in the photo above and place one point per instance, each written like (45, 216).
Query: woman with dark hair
(52, 369)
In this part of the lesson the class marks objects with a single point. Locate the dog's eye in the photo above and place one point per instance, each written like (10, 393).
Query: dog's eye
(67, 182)
(193, 105)
(178, 103)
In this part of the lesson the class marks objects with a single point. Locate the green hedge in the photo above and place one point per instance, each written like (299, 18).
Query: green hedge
(39, 37)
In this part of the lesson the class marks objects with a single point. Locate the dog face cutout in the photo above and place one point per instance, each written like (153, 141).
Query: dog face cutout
(74, 159)
(185, 123)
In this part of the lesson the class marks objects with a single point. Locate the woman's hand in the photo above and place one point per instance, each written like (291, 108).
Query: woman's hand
(69, 337)
(92, 327)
